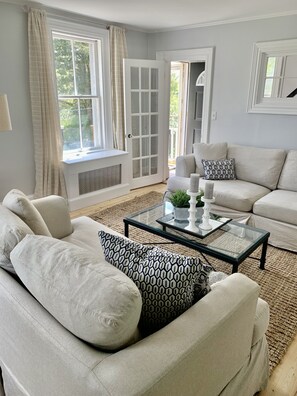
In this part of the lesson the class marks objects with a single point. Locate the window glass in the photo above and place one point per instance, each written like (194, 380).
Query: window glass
(135, 125)
(76, 85)
(134, 78)
(83, 87)
(144, 78)
(270, 66)
(154, 79)
(145, 124)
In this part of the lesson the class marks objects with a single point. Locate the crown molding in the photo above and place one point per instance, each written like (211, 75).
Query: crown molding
(225, 22)
(84, 18)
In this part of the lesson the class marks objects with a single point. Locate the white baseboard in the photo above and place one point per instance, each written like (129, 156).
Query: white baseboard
(96, 197)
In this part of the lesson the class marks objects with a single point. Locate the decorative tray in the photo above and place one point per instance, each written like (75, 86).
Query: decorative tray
(169, 221)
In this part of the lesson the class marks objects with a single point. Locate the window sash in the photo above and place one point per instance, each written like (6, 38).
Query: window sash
(101, 88)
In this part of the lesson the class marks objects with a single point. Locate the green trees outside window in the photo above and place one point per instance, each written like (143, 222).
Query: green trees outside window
(75, 64)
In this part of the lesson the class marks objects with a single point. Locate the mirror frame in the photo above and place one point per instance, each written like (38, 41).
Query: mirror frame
(257, 103)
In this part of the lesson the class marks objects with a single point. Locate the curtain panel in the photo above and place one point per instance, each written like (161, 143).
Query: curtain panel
(118, 51)
(48, 148)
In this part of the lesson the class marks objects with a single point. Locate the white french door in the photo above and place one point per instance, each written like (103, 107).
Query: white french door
(145, 120)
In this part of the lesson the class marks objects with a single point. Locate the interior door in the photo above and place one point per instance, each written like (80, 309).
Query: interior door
(145, 120)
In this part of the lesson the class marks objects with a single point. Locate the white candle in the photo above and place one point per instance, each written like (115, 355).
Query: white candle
(194, 182)
(208, 190)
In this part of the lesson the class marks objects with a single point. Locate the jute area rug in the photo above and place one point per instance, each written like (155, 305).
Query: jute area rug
(278, 281)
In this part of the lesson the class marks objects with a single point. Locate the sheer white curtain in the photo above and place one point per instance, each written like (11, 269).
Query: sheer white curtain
(45, 113)
(118, 51)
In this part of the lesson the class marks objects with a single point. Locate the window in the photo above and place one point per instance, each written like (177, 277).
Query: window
(280, 76)
(84, 103)
(273, 86)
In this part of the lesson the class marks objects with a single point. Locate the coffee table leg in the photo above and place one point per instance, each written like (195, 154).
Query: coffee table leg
(126, 230)
(263, 255)
(234, 268)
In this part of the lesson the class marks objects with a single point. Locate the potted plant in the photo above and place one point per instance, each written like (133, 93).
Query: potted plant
(180, 201)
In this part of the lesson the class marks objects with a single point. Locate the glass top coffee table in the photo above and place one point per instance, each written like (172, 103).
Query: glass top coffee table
(232, 242)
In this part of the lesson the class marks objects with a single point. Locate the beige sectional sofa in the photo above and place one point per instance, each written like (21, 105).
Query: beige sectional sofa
(216, 347)
(264, 193)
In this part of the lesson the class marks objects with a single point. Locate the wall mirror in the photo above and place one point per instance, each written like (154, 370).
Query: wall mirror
(273, 86)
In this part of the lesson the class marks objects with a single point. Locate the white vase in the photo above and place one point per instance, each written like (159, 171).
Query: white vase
(182, 214)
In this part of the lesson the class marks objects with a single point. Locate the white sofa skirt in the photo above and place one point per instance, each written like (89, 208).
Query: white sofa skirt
(282, 235)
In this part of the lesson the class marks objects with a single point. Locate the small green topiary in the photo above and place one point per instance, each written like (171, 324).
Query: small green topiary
(180, 199)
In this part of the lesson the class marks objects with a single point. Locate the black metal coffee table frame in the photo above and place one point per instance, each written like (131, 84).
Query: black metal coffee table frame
(131, 220)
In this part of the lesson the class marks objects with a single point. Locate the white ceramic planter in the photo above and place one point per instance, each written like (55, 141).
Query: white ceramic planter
(182, 214)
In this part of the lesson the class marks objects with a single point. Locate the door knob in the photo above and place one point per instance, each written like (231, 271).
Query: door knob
(130, 136)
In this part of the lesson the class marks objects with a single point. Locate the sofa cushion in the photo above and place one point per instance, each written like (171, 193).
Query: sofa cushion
(12, 231)
(55, 212)
(257, 165)
(169, 283)
(91, 298)
(279, 205)
(288, 178)
(236, 194)
(213, 151)
(219, 169)
(18, 202)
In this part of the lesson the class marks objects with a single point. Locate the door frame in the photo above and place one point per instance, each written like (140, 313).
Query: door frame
(195, 55)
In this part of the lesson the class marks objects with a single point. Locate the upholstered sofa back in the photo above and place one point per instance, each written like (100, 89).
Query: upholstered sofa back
(288, 177)
(257, 165)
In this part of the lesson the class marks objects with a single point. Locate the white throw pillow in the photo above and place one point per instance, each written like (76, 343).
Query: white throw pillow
(88, 296)
(18, 203)
(54, 211)
(257, 165)
(215, 151)
(12, 231)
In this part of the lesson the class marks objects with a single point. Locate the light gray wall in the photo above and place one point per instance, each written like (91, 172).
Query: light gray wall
(233, 45)
(17, 168)
(137, 43)
(233, 51)
(16, 147)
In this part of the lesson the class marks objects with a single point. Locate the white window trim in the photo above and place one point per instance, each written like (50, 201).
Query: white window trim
(72, 28)
(256, 103)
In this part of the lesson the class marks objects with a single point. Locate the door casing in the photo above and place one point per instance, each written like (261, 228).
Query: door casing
(192, 55)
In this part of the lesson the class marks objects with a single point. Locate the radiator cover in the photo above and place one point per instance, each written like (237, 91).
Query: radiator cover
(98, 179)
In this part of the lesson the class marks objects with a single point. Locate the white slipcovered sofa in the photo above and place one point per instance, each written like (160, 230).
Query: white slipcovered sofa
(217, 347)
(264, 193)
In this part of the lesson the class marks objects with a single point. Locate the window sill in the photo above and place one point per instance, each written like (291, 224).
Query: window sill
(92, 155)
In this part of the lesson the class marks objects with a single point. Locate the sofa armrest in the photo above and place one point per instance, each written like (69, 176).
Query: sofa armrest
(177, 183)
(202, 349)
(261, 320)
(185, 165)
(55, 213)
(213, 336)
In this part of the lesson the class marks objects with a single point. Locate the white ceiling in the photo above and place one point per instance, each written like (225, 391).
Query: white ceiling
(155, 15)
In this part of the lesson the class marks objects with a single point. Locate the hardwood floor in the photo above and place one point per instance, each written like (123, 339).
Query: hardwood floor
(133, 193)
(283, 381)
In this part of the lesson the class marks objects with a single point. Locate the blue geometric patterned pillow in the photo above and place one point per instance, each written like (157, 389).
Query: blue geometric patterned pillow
(223, 169)
(169, 283)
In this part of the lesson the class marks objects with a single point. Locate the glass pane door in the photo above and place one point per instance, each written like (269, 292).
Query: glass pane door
(143, 99)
